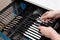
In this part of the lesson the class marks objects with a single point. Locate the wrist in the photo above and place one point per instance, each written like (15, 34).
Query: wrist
(58, 14)
(55, 36)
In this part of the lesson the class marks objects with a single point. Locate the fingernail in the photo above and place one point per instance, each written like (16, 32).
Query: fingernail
(39, 29)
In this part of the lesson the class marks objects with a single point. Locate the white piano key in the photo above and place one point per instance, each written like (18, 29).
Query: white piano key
(12, 16)
(29, 36)
(19, 17)
(36, 18)
(13, 23)
(8, 18)
(3, 14)
(2, 18)
(39, 21)
(10, 26)
(5, 18)
(39, 17)
(36, 24)
(5, 29)
(16, 21)
(34, 33)
(5, 21)
(33, 28)
(1, 27)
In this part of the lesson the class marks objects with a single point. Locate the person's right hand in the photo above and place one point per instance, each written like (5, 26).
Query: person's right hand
(51, 15)
(49, 32)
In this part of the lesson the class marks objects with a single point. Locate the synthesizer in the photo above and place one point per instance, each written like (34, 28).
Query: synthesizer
(23, 19)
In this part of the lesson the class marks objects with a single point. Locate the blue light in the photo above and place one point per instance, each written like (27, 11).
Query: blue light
(4, 36)
(23, 5)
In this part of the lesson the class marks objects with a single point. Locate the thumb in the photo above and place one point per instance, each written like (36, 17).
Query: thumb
(41, 27)
(45, 17)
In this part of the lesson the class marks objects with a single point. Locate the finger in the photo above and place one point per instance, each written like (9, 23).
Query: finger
(45, 17)
(40, 30)
(45, 14)
(47, 20)
(41, 27)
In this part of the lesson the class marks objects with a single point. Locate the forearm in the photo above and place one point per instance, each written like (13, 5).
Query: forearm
(58, 14)
(50, 33)
(55, 36)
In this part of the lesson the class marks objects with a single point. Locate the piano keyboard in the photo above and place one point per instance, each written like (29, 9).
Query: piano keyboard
(33, 32)
(29, 28)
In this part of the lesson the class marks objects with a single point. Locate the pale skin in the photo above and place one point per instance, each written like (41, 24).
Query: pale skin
(49, 31)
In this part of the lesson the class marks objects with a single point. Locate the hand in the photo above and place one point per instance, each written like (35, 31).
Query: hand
(49, 32)
(51, 15)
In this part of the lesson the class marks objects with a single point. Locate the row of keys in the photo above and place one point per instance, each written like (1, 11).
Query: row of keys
(6, 17)
(11, 26)
(32, 31)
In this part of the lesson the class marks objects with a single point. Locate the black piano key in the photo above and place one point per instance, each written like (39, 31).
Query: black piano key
(28, 33)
